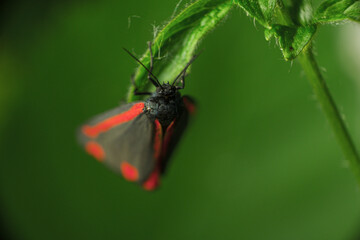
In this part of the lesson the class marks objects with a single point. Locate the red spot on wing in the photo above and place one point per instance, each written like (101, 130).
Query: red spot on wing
(152, 182)
(189, 105)
(157, 139)
(95, 150)
(129, 172)
(94, 131)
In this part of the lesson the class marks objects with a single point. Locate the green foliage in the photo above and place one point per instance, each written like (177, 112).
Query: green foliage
(175, 44)
(292, 31)
(335, 10)
(262, 10)
(292, 37)
(293, 26)
(292, 40)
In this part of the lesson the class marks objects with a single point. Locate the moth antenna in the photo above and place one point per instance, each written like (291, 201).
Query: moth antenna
(185, 68)
(136, 59)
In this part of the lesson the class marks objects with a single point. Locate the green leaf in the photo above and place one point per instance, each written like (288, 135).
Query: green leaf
(175, 44)
(261, 10)
(335, 10)
(292, 40)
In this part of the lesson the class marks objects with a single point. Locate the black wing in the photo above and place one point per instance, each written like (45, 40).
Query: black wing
(122, 139)
(175, 130)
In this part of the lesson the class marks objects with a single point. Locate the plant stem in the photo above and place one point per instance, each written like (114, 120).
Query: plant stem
(327, 103)
(284, 16)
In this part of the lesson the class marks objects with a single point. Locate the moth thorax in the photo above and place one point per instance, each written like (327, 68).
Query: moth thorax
(163, 108)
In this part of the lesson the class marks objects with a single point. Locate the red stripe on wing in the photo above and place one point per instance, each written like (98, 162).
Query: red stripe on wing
(189, 105)
(154, 179)
(169, 132)
(157, 139)
(94, 131)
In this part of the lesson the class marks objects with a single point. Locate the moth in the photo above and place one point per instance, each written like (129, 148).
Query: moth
(137, 139)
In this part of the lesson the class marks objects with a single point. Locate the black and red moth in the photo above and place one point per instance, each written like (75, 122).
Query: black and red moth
(137, 139)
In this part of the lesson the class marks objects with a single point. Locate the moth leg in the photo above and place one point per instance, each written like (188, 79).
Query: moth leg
(136, 88)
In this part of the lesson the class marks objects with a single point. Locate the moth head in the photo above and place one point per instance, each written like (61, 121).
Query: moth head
(166, 89)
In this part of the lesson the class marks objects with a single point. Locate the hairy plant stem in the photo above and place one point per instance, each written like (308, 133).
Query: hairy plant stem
(317, 81)
(328, 105)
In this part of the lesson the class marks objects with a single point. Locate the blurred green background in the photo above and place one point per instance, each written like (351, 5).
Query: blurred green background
(258, 161)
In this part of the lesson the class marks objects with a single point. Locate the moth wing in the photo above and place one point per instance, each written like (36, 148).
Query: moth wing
(122, 139)
(171, 137)
(175, 131)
